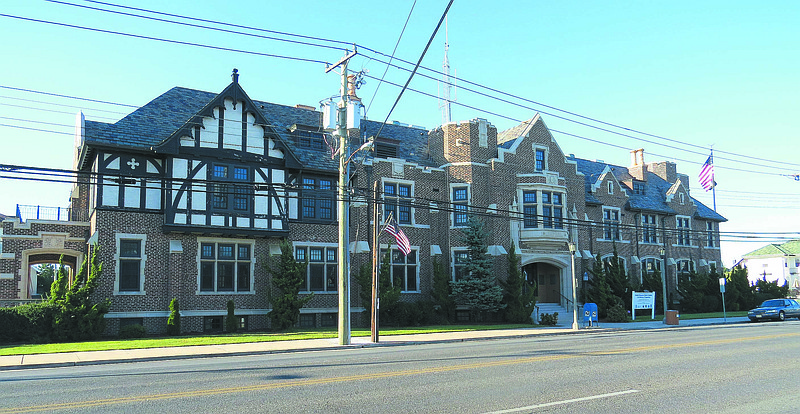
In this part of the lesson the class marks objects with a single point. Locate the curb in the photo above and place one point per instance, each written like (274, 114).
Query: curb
(596, 330)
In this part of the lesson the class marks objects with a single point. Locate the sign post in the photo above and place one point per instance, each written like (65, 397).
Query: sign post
(643, 300)
(722, 291)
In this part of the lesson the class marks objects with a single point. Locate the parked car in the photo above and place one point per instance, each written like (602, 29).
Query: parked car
(777, 309)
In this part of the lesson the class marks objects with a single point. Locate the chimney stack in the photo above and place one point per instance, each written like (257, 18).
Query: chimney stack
(638, 169)
(235, 75)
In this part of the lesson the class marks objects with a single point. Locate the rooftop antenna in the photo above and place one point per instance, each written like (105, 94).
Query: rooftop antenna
(445, 100)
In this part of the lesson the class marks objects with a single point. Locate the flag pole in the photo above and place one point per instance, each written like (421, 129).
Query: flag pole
(713, 181)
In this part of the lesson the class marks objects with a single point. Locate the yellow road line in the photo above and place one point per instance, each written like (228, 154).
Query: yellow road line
(322, 381)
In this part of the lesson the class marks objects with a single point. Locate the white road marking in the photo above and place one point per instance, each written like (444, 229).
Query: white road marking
(550, 404)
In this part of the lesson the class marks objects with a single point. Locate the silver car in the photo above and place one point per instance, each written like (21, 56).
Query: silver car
(775, 309)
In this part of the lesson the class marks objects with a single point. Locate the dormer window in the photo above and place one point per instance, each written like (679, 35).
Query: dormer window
(385, 150)
(307, 137)
(638, 187)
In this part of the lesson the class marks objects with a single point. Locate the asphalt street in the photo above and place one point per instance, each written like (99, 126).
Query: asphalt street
(720, 368)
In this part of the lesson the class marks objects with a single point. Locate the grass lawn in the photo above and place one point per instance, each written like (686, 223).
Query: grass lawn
(687, 316)
(220, 339)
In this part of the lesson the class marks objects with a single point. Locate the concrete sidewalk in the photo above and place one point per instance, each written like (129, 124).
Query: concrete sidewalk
(256, 348)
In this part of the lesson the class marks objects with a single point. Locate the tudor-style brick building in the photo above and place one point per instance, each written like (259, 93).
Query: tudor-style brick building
(189, 196)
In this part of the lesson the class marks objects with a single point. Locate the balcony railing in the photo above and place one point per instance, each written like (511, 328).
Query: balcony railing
(26, 213)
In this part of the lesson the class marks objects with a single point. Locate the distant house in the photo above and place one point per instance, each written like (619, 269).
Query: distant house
(189, 196)
(775, 262)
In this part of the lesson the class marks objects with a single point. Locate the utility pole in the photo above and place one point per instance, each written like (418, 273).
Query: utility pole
(376, 248)
(343, 206)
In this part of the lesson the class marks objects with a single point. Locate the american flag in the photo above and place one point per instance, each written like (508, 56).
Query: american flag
(707, 174)
(402, 241)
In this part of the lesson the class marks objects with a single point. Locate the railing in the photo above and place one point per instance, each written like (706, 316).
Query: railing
(25, 213)
(569, 301)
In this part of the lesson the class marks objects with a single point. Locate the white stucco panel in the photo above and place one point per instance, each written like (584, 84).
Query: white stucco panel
(180, 167)
(209, 133)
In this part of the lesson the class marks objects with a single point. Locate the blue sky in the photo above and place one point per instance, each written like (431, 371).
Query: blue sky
(719, 73)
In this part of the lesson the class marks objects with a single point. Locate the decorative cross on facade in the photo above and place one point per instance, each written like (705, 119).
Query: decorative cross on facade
(133, 163)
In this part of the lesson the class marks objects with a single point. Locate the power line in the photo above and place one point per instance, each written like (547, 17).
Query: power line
(749, 157)
(179, 42)
(196, 25)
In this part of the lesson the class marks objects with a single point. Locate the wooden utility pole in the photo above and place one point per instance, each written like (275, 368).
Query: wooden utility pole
(376, 248)
(343, 206)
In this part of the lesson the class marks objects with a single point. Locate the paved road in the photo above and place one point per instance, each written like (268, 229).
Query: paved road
(732, 368)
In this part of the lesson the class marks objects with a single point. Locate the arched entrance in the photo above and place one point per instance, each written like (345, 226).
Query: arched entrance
(39, 277)
(548, 281)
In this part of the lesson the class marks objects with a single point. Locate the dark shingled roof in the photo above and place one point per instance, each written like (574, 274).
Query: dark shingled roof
(654, 199)
(157, 120)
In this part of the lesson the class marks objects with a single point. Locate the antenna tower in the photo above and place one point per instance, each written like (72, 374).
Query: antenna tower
(445, 100)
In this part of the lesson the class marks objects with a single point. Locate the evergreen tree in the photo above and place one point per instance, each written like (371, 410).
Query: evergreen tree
(599, 291)
(78, 318)
(231, 324)
(441, 291)
(619, 285)
(651, 282)
(518, 293)
(174, 320)
(287, 275)
(388, 293)
(477, 289)
(738, 293)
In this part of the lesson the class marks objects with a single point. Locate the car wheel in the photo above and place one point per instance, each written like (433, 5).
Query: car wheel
(753, 320)
(781, 316)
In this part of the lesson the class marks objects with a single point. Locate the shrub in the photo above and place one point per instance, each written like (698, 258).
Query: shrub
(617, 313)
(548, 319)
(132, 331)
(174, 320)
(231, 324)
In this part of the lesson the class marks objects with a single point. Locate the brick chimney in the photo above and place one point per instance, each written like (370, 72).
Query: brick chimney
(638, 169)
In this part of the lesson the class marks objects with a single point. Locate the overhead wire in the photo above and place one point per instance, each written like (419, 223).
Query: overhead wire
(749, 157)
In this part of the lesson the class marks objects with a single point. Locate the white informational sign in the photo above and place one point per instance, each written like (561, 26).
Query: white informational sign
(643, 300)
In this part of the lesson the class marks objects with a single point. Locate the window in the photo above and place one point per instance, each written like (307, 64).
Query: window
(682, 198)
(397, 201)
(321, 274)
(225, 194)
(212, 323)
(684, 267)
(683, 225)
(460, 206)
(607, 261)
(552, 212)
(130, 257)
(711, 239)
(404, 270)
(610, 187)
(650, 265)
(460, 258)
(540, 160)
(130, 261)
(225, 267)
(611, 224)
(308, 139)
(649, 229)
(318, 196)
(529, 207)
(638, 187)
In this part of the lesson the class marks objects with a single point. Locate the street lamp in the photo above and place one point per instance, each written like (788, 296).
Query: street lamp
(572, 249)
(664, 279)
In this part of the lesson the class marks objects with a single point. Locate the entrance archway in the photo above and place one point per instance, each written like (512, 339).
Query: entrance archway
(33, 287)
(548, 281)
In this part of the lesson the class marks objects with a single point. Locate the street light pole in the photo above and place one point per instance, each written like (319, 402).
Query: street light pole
(664, 280)
(572, 248)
